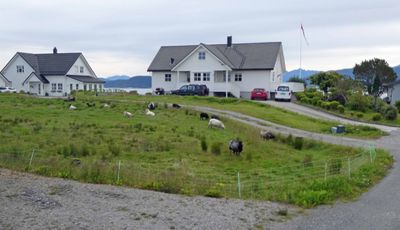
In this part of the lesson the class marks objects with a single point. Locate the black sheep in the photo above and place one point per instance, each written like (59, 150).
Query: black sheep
(235, 147)
(151, 106)
(176, 106)
(215, 117)
(204, 116)
(266, 135)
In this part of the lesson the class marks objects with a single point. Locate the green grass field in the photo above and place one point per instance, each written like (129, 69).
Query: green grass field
(173, 152)
(262, 111)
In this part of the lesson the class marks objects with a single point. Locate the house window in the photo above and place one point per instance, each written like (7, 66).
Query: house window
(90, 87)
(206, 76)
(202, 55)
(197, 76)
(81, 69)
(84, 87)
(71, 87)
(59, 87)
(167, 77)
(77, 86)
(238, 77)
(95, 87)
(53, 87)
(20, 68)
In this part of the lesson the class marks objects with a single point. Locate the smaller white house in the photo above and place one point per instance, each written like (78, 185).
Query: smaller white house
(51, 74)
(393, 91)
(231, 68)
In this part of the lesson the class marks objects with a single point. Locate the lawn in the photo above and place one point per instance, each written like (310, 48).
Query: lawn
(176, 152)
(262, 111)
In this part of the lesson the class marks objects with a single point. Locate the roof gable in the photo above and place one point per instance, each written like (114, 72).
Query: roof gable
(241, 56)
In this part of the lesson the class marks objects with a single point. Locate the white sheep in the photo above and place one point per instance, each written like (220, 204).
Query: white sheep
(216, 123)
(106, 105)
(71, 107)
(128, 114)
(150, 113)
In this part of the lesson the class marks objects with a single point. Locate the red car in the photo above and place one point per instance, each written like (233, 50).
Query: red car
(259, 93)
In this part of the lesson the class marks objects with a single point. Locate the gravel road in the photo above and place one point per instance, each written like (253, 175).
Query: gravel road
(33, 202)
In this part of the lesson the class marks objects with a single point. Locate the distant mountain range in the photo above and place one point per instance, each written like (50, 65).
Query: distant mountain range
(124, 81)
(308, 73)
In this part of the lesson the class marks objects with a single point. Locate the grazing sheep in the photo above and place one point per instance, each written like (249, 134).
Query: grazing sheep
(71, 107)
(266, 135)
(176, 106)
(151, 106)
(69, 99)
(215, 117)
(204, 116)
(90, 104)
(235, 147)
(150, 113)
(216, 123)
(128, 114)
(106, 105)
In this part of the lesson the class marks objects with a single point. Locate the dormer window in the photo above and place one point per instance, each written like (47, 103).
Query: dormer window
(20, 68)
(81, 69)
(202, 55)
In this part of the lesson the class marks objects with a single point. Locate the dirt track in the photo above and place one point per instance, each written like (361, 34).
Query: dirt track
(34, 202)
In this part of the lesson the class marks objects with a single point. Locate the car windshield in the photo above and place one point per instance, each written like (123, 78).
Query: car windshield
(283, 88)
(259, 89)
(184, 87)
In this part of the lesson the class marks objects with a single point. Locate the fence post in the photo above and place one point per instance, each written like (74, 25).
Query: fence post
(326, 170)
(30, 161)
(238, 179)
(119, 168)
(349, 166)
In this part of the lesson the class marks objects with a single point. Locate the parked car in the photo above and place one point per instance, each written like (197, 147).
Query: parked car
(192, 89)
(283, 93)
(7, 90)
(259, 93)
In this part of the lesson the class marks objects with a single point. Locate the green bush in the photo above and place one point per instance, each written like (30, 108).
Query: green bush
(390, 113)
(298, 143)
(397, 105)
(359, 102)
(376, 117)
(359, 115)
(216, 148)
(340, 108)
(333, 105)
(203, 143)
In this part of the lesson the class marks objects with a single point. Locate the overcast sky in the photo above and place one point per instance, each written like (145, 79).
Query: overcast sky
(122, 37)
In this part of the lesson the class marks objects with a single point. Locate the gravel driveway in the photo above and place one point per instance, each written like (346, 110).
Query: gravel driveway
(33, 202)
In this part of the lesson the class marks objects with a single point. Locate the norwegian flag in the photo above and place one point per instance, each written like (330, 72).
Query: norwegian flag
(304, 34)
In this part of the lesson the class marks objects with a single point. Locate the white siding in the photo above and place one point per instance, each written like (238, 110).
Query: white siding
(158, 80)
(2, 82)
(18, 78)
(75, 69)
(395, 94)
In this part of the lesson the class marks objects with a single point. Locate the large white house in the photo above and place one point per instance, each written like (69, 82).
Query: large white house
(235, 68)
(51, 74)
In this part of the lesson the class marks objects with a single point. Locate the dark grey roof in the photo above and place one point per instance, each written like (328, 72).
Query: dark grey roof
(51, 64)
(241, 56)
(86, 79)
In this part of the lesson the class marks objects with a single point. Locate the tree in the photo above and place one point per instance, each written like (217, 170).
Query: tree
(325, 80)
(343, 88)
(368, 71)
(373, 74)
(297, 79)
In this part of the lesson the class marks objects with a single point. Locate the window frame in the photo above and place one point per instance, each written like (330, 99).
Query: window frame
(53, 87)
(59, 87)
(202, 55)
(207, 76)
(197, 76)
(167, 77)
(81, 69)
(20, 69)
(238, 77)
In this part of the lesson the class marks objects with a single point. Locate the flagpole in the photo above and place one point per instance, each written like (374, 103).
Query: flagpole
(301, 43)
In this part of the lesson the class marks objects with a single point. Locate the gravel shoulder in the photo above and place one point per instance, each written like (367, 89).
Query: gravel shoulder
(34, 202)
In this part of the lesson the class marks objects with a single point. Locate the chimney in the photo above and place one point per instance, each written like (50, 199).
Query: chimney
(55, 50)
(229, 41)
(172, 61)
